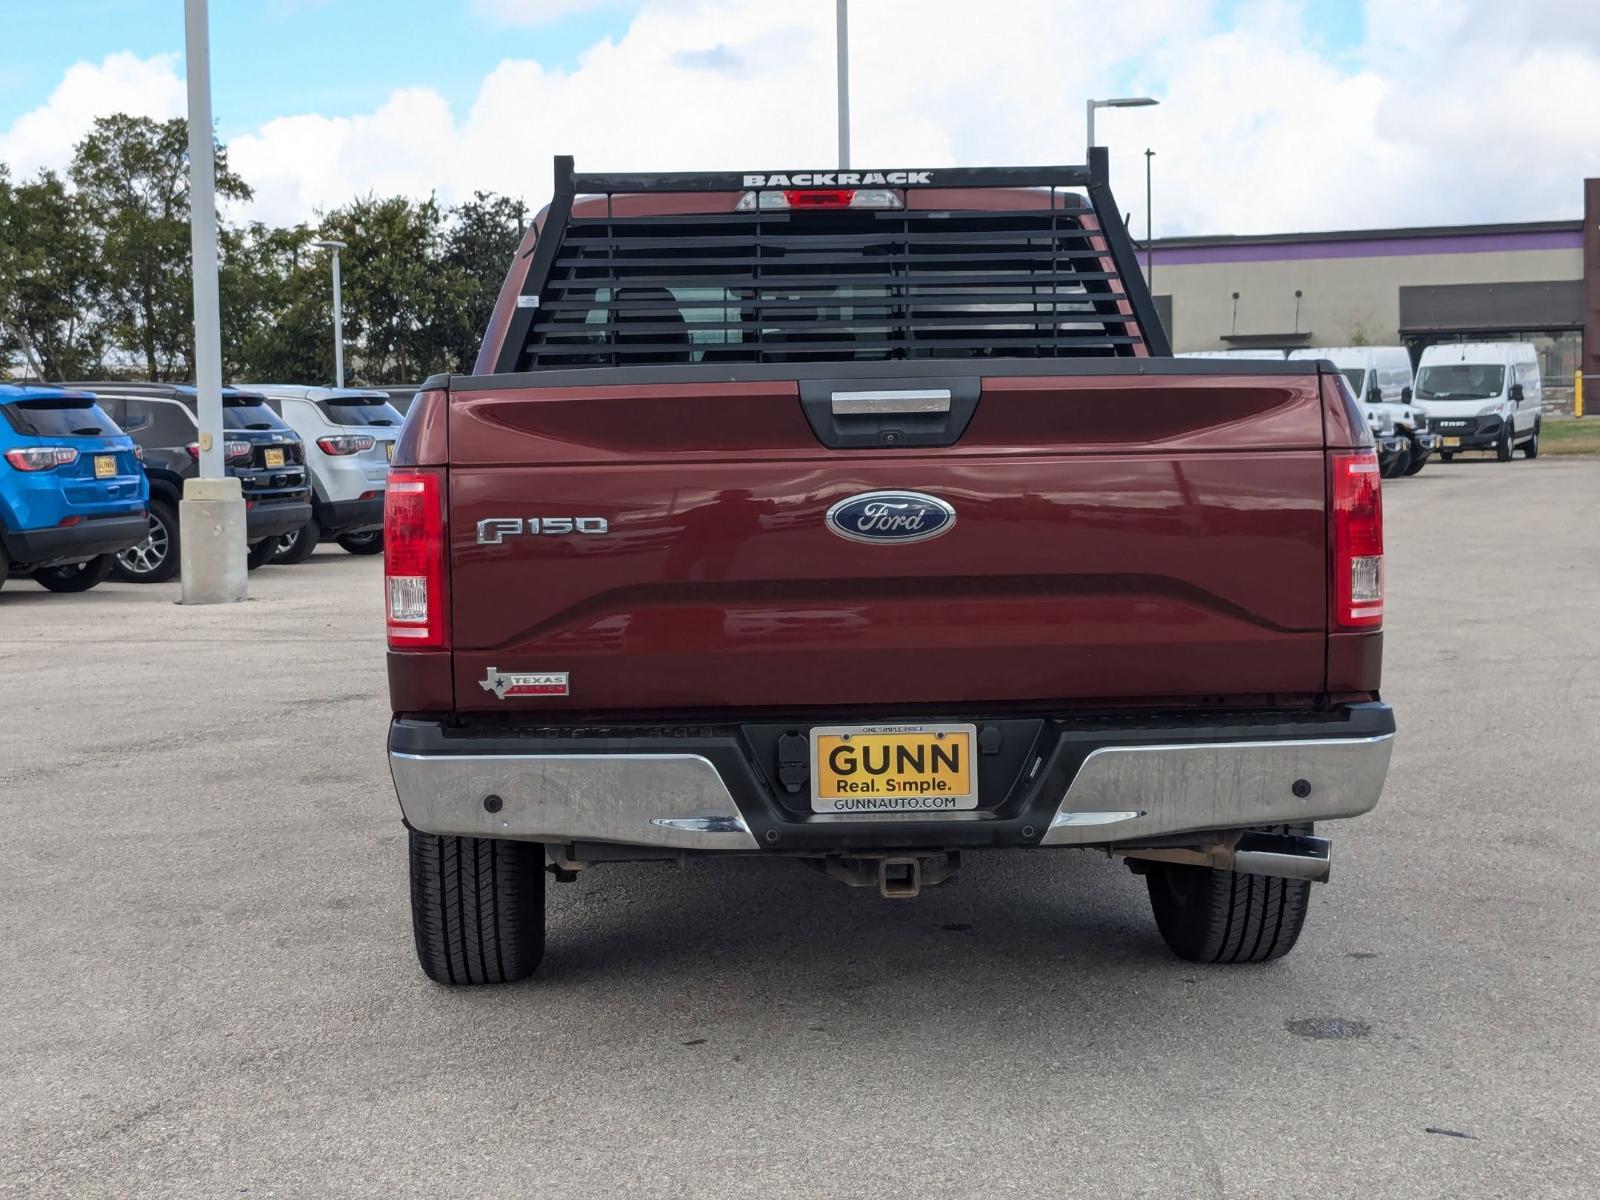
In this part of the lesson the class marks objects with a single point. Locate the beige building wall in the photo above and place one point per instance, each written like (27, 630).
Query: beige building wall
(1343, 300)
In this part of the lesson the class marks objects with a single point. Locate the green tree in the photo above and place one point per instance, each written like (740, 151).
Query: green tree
(478, 250)
(132, 177)
(397, 297)
(52, 279)
(276, 306)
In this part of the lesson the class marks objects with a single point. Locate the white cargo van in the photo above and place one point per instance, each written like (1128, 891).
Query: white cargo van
(1482, 396)
(1380, 378)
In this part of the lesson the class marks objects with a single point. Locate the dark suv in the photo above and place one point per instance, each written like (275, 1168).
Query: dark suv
(264, 454)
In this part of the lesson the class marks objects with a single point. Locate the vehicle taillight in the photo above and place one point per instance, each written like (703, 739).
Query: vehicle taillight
(414, 570)
(346, 443)
(232, 451)
(788, 199)
(41, 458)
(1356, 504)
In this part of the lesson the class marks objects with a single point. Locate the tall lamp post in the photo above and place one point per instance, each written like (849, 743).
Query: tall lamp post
(1149, 256)
(211, 516)
(842, 40)
(1119, 102)
(338, 313)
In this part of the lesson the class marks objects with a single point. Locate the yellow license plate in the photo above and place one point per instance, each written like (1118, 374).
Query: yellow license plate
(1449, 442)
(274, 458)
(105, 466)
(388, 448)
(893, 768)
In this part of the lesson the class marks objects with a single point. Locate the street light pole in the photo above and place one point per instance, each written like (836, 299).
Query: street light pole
(1118, 102)
(1149, 255)
(842, 39)
(211, 517)
(338, 313)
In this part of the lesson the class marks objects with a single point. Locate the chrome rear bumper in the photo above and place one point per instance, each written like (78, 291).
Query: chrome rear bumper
(1125, 794)
(675, 801)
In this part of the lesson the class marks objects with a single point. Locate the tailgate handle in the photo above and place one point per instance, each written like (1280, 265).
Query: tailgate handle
(884, 403)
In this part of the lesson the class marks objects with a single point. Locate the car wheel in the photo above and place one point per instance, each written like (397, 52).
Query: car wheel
(1505, 446)
(1419, 459)
(5, 566)
(1446, 455)
(370, 542)
(1398, 465)
(477, 908)
(262, 552)
(1225, 917)
(76, 577)
(1531, 449)
(154, 560)
(297, 545)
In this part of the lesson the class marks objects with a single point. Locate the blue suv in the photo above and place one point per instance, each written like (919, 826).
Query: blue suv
(73, 493)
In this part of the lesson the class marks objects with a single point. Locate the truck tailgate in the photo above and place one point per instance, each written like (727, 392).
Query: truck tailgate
(1116, 536)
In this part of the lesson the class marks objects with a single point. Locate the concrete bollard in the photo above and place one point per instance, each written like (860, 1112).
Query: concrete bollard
(211, 525)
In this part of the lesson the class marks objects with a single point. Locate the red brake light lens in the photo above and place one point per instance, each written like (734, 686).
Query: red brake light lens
(41, 458)
(414, 574)
(346, 443)
(1356, 506)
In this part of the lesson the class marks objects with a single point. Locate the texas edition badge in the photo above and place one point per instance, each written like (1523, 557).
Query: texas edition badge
(509, 683)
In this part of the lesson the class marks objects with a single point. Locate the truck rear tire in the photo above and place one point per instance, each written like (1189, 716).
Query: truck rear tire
(477, 908)
(1224, 917)
(1531, 449)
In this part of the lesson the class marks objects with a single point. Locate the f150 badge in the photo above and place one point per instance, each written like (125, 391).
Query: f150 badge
(891, 517)
(509, 683)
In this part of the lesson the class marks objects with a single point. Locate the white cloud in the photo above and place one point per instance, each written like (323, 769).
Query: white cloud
(1453, 110)
(142, 87)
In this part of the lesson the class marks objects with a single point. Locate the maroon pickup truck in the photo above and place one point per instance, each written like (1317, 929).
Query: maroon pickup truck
(864, 518)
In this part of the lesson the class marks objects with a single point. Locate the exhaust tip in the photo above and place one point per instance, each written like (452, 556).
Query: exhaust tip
(1284, 856)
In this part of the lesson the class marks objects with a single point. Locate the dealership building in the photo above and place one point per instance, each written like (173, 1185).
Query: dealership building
(1537, 281)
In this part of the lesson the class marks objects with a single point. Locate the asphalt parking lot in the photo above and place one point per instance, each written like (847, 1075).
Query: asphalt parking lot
(209, 988)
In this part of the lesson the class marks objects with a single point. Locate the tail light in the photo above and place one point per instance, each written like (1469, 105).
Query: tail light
(346, 443)
(1357, 511)
(788, 199)
(414, 571)
(232, 451)
(41, 458)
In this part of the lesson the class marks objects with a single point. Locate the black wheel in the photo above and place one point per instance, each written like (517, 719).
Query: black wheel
(297, 545)
(76, 577)
(154, 560)
(1397, 465)
(261, 553)
(370, 542)
(1446, 455)
(1531, 449)
(5, 566)
(1224, 917)
(1419, 459)
(477, 908)
(1504, 447)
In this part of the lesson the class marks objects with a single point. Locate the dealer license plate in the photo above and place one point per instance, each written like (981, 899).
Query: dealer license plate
(893, 768)
(274, 458)
(1449, 442)
(105, 466)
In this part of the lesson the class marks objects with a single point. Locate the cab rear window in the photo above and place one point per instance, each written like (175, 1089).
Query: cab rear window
(59, 417)
(368, 411)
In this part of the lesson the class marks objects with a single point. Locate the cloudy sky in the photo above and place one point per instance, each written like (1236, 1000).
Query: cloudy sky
(1275, 115)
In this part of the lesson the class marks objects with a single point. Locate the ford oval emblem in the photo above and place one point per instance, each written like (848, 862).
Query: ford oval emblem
(891, 517)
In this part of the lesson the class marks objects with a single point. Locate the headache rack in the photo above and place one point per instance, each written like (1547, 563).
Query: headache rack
(607, 286)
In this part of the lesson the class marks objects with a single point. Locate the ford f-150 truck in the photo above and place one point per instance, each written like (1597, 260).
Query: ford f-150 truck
(863, 518)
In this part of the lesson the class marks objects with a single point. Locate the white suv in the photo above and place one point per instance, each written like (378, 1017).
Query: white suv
(349, 436)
